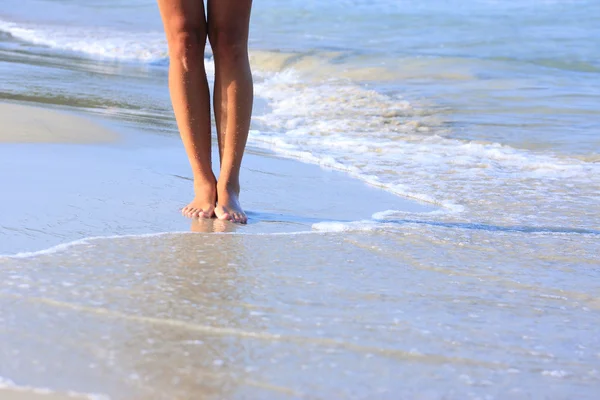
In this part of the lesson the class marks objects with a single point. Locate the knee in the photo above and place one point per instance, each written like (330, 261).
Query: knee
(229, 44)
(186, 46)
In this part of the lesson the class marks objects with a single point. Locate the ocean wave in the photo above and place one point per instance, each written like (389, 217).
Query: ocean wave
(388, 142)
(94, 42)
(323, 65)
(321, 110)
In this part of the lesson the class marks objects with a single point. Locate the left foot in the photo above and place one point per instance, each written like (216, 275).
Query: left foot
(228, 205)
(203, 204)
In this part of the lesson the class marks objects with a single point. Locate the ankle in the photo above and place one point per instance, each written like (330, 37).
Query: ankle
(203, 183)
(228, 187)
(205, 177)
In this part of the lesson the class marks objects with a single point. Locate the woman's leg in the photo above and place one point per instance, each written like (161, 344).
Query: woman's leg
(228, 23)
(185, 27)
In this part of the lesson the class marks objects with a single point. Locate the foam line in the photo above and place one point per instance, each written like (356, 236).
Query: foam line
(147, 47)
(65, 246)
(8, 384)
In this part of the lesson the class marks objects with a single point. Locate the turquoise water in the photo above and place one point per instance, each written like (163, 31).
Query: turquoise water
(487, 110)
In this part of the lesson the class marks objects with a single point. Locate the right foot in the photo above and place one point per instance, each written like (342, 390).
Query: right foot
(203, 205)
(228, 206)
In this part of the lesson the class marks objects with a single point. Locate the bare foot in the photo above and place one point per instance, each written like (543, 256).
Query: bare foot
(203, 205)
(228, 205)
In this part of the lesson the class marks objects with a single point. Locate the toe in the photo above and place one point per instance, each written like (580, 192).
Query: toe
(225, 216)
(239, 218)
(204, 214)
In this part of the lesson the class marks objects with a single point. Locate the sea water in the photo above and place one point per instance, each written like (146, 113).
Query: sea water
(487, 110)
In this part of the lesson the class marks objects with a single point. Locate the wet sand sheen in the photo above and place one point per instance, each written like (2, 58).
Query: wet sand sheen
(27, 124)
(318, 297)
(90, 191)
(314, 296)
(33, 394)
(282, 315)
(138, 186)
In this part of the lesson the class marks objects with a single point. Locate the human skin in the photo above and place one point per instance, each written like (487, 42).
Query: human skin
(226, 27)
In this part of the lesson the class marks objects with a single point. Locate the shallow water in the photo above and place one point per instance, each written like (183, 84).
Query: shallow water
(485, 109)
(178, 314)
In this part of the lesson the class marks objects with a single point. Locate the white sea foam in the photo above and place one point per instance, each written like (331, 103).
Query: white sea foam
(146, 47)
(390, 143)
(393, 215)
(354, 226)
(8, 384)
(90, 241)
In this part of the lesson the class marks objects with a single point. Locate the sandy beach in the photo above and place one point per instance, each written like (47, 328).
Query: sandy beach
(97, 192)
(27, 124)
(422, 185)
(107, 289)
(119, 188)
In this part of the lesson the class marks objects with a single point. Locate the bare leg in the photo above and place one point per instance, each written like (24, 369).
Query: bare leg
(228, 23)
(185, 27)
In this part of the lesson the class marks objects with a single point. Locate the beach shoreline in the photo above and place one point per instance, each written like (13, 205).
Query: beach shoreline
(41, 394)
(35, 124)
(91, 190)
(340, 286)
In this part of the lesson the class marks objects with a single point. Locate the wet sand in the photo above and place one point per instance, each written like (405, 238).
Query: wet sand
(27, 124)
(105, 288)
(129, 189)
(64, 192)
(33, 394)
